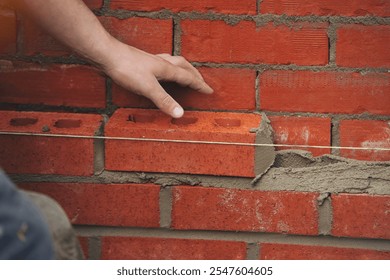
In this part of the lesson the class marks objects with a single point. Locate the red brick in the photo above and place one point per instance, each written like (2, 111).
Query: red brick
(151, 35)
(84, 246)
(325, 92)
(229, 160)
(7, 32)
(326, 7)
(363, 46)
(59, 85)
(244, 210)
(302, 131)
(366, 134)
(141, 248)
(361, 216)
(105, 204)
(48, 155)
(228, 94)
(272, 251)
(218, 6)
(217, 41)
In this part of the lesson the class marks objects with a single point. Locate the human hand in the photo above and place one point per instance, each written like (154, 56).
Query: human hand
(140, 72)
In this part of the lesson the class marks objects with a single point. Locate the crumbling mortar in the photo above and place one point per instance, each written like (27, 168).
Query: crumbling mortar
(259, 19)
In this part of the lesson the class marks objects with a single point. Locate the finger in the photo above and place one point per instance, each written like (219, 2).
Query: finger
(181, 62)
(164, 101)
(183, 77)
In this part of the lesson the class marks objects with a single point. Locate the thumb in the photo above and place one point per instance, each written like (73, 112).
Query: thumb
(165, 102)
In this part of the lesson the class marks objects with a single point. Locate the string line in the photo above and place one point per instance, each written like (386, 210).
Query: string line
(189, 141)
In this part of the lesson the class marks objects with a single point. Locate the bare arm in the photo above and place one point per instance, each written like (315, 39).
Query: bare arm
(72, 23)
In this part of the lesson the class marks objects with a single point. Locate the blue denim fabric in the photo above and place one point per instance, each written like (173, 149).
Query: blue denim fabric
(24, 234)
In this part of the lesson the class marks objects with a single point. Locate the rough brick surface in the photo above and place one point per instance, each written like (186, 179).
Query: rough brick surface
(139, 248)
(243, 210)
(229, 160)
(59, 85)
(361, 215)
(272, 251)
(363, 46)
(219, 6)
(326, 7)
(151, 35)
(228, 93)
(325, 92)
(302, 131)
(47, 155)
(366, 134)
(105, 204)
(217, 41)
(7, 32)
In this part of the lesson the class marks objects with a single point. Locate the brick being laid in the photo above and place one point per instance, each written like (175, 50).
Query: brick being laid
(190, 158)
(22, 154)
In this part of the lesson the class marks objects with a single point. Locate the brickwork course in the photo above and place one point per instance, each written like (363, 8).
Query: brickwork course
(315, 71)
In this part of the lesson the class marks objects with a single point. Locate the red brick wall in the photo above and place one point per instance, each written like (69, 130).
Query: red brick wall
(318, 69)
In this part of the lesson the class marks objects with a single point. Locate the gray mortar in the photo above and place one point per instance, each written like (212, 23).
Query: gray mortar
(176, 36)
(324, 214)
(249, 237)
(292, 171)
(94, 248)
(264, 155)
(335, 136)
(332, 35)
(165, 207)
(252, 251)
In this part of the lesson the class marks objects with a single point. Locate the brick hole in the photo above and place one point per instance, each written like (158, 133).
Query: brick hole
(184, 121)
(67, 123)
(228, 122)
(141, 118)
(23, 121)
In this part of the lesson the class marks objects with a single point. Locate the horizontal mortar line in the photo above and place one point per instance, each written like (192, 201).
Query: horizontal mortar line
(248, 237)
(188, 141)
(363, 116)
(259, 67)
(235, 18)
(294, 67)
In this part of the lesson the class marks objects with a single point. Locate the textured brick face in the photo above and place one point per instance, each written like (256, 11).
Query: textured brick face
(228, 93)
(105, 205)
(216, 41)
(151, 35)
(363, 46)
(326, 7)
(271, 251)
(302, 131)
(192, 158)
(365, 134)
(325, 92)
(48, 155)
(60, 85)
(219, 6)
(361, 216)
(139, 248)
(240, 210)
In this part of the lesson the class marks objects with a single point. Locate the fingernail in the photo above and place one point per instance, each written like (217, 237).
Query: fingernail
(209, 90)
(178, 112)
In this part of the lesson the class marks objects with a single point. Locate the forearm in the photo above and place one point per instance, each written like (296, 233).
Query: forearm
(73, 24)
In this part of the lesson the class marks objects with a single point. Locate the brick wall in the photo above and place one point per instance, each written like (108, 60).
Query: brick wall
(318, 69)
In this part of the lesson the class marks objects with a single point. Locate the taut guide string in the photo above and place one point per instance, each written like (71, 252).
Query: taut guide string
(189, 141)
